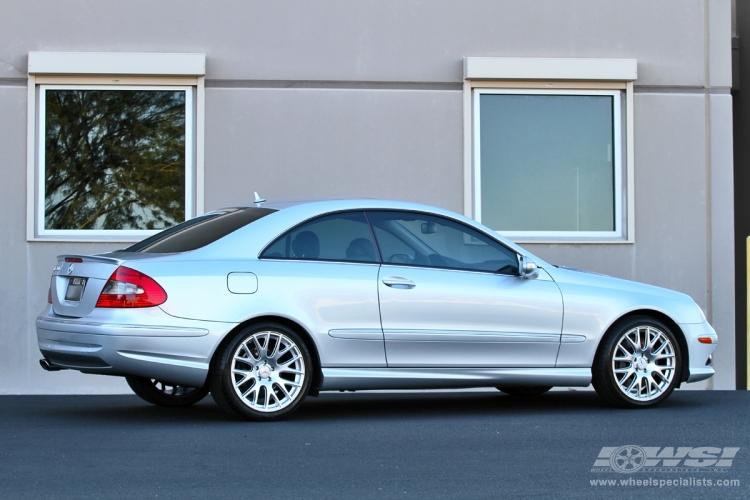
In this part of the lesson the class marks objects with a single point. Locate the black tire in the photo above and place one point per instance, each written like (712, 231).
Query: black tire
(609, 387)
(262, 377)
(165, 394)
(524, 391)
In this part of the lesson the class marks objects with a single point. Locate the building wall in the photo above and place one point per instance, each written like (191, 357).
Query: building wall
(345, 98)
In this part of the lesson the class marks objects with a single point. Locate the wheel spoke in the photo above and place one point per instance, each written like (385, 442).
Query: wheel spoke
(287, 363)
(281, 387)
(664, 356)
(275, 348)
(266, 345)
(660, 374)
(248, 352)
(258, 346)
(281, 352)
(246, 361)
(289, 370)
(254, 387)
(636, 346)
(632, 384)
(245, 376)
(624, 378)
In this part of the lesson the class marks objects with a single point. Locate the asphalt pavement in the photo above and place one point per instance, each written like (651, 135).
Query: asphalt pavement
(433, 445)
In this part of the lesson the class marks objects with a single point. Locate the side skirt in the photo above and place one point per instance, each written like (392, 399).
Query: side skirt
(335, 379)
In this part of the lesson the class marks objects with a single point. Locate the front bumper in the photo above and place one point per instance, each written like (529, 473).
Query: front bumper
(699, 354)
(142, 342)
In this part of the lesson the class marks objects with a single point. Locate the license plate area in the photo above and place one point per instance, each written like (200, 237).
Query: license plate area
(74, 292)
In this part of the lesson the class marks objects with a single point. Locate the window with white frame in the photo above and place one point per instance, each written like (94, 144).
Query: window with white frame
(114, 156)
(548, 163)
(549, 160)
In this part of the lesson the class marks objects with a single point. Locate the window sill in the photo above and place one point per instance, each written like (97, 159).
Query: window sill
(92, 239)
(569, 241)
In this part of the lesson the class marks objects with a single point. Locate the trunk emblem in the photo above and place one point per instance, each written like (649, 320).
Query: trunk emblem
(70, 269)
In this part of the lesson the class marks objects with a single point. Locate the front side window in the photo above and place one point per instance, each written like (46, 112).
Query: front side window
(548, 163)
(424, 240)
(338, 237)
(114, 160)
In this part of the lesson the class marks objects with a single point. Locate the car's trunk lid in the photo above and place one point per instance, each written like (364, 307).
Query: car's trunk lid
(78, 280)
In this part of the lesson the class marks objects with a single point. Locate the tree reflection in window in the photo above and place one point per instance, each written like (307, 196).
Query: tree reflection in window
(114, 159)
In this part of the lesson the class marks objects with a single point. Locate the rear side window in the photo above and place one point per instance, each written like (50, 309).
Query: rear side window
(337, 237)
(199, 231)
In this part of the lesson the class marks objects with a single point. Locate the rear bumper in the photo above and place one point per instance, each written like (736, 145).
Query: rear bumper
(145, 342)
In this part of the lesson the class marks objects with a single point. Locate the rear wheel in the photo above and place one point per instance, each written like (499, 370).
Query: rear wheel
(638, 363)
(263, 373)
(524, 391)
(164, 394)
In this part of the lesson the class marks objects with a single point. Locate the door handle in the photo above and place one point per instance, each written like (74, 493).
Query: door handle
(398, 282)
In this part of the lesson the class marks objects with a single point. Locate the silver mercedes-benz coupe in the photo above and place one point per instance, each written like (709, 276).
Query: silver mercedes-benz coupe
(262, 305)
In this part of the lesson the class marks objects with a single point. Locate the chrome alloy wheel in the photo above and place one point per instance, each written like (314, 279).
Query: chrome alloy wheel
(643, 363)
(268, 371)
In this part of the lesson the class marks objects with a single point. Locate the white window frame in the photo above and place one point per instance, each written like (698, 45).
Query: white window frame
(566, 77)
(123, 71)
(617, 163)
(41, 155)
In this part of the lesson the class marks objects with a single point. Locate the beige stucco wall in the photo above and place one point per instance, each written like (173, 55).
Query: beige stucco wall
(386, 121)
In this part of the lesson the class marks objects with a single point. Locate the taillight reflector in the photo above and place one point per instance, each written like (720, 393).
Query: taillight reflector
(130, 288)
(706, 340)
(49, 295)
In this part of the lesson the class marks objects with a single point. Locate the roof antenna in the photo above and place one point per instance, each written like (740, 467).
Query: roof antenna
(258, 199)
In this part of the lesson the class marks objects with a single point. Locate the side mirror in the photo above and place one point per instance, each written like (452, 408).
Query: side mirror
(527, 268)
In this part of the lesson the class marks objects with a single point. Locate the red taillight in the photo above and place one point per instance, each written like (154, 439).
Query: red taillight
(49, 295)
(130, 288)
(73, 259)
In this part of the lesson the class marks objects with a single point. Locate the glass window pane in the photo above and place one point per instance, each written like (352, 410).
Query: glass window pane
(343, 237)
(200, 231)
(114, 159)
(425, 240)
(547, 162)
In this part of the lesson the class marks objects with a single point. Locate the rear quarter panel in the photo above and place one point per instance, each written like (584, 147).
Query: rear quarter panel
(345, 299)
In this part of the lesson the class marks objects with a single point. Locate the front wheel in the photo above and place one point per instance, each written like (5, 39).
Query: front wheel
(161, 393)
(638, 364)
(263, 373)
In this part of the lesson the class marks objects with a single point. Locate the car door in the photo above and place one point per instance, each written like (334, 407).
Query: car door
(451, 296)
(324, 273)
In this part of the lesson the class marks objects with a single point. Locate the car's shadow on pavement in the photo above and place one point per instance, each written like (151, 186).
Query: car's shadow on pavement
(464, 404)
(345, 406)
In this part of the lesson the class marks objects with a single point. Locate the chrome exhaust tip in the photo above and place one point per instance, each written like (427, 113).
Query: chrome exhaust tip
(49, 366)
